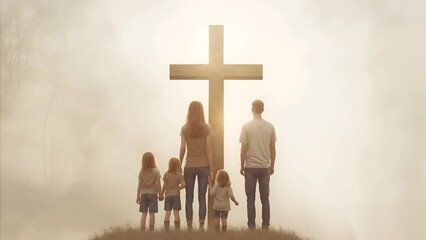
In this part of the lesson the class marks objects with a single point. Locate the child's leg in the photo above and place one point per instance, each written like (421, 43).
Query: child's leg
(143, 208)
(224, 225)
(216, 224)
(177, 219)
(167, 217)
(143, 221)
(176, 214)
(216, 219)
(153, 208)
(167, 220)
(151, 221)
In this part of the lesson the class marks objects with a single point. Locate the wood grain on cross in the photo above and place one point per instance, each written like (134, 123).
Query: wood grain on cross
(216, 72)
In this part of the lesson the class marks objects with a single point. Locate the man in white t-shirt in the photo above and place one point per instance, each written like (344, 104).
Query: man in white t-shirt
(257, 162)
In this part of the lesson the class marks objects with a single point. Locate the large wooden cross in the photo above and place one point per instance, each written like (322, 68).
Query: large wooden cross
(216, 72)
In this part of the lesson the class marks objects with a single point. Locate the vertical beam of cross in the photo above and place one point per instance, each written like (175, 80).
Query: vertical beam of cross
(216, 72)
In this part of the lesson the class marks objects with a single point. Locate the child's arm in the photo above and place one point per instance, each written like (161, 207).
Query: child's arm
(163, 189)
(231, 196)
(138, 192)
(234, 200)
(160, 195)
(212, 189)
(182, 184)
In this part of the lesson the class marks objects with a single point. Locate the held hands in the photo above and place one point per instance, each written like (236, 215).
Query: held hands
(161, 197)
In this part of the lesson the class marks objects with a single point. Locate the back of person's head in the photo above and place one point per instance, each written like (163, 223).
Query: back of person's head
(257, 106)
(222, 178)
(195, 120)
(174, 165)
(148, 161)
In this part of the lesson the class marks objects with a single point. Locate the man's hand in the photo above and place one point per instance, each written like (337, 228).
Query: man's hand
(161, 197)
(138, 200)
(242, 171)
(271, 170)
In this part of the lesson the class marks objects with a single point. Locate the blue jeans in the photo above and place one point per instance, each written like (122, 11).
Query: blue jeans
(252, 176)
(202, 173)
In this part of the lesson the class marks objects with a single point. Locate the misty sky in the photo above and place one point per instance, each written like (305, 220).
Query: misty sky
(85, 91)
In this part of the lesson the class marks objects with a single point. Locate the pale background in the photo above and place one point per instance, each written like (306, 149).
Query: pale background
(85, 91)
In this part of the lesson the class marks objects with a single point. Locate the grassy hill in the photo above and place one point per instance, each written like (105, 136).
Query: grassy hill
(128, 233)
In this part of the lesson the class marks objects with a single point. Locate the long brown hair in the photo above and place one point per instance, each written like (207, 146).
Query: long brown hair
(174, 165)
(148, 161)
(195, 121)
(222, 178)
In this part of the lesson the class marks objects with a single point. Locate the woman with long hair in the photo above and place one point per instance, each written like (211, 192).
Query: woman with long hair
(196, 144)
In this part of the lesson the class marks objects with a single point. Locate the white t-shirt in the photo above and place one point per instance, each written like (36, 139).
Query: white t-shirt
(258, 135)
(221, 197)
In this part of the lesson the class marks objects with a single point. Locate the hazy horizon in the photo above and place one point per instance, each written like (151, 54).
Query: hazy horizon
(85, 90)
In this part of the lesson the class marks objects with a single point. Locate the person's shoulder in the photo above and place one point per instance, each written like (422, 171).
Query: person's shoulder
(156, 170)
(268, 123)
(248, 123)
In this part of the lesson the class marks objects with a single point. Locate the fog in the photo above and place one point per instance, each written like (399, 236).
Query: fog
(85, 91)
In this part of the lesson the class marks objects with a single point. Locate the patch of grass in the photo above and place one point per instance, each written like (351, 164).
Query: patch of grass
(129, 233)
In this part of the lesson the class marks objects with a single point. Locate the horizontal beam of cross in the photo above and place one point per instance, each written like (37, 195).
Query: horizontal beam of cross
(205, 71)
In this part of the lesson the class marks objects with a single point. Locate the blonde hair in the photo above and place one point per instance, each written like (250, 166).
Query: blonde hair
(148, 161)
(174, 165)
(195, 121)
(222, 178)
